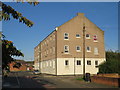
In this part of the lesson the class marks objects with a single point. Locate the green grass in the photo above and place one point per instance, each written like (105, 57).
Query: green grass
(80, 79)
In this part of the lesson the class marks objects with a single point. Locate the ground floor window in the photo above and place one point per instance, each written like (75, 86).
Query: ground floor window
(88, 62)
(78, 62)
(66, 62)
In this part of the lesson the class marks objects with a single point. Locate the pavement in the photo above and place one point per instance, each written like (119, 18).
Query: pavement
(29, 80)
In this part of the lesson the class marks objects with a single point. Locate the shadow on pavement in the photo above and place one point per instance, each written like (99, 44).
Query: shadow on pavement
(21, 82)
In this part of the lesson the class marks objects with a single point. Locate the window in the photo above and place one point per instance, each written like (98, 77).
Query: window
(88, 62)
(95, 38)
(96, 62)
(66, 36)
(78, 48)
(46, 51)
(53, 64)
(66, 49)
(77, 35)
(88, 49)
(66, 62)
(46, 63)
(87, 36)
(53, 50)
(50, 63)
(95, 51)
(50, 50)
(78, 62)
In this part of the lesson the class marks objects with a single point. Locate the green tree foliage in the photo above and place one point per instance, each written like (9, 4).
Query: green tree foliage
(8, 11)
(112, 64)
(9, 50)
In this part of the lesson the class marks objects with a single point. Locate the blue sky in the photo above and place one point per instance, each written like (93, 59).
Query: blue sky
(46, 16)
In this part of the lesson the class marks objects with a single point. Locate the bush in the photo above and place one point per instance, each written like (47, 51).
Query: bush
(112, 64)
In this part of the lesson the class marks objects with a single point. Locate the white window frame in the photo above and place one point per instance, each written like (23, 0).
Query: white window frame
(53, 50)
(66, 36)
(87, 37)
(77, 34)
(78, 50)
(96, 52)
(90, 62)
(66, 49)
(67, 63)
(89, 48)
(96, 38)
(97, 63)
(77, 63)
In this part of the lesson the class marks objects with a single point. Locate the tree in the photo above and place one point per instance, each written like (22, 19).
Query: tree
(8, 12)
(9, 50)
(112, 64)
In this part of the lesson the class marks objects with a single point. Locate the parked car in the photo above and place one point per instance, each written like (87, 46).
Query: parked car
(36, 72)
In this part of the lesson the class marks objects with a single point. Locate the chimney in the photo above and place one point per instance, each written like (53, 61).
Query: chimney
(80, 14)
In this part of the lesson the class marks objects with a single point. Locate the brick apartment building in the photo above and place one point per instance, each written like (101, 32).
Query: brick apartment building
(61, 52)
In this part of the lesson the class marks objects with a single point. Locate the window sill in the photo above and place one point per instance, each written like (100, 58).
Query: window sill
(78, 51)
(66, 39)
(88, 38)
(88, 51)
(95, 41)
(66, 53)
(78, 37)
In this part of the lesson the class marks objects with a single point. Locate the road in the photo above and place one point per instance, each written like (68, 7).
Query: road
(29, 80)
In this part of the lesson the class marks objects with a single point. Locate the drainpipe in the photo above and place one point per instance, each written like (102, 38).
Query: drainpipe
(74, 66)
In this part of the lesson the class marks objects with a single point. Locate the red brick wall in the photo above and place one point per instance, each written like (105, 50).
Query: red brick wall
(106, 80)
(22, 68)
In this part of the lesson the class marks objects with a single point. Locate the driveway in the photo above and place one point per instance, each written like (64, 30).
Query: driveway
(29, 80)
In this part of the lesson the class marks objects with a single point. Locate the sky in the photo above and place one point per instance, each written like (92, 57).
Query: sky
(48, 15)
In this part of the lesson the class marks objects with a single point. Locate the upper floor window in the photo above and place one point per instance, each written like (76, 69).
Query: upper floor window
(77, 35)
(95, 38)
(66, 36)
(78, 62)
(88, 62)
(95, 50)
(88, 49)
(87, 36)
(78, 48)
(66, 49)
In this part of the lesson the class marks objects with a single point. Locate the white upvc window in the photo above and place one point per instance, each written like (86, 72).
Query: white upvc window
(88, 62)
(66, 62)
(53, 50)
(53, 64)
(47, 63)
(66, 49)
(96, 62)
(41, 55)
(50, 63)
(88, 48)
(96, 51)
(87, 36)
(78, 62)
(50, 38)
(95, 38)
(78, 48)
(50, 50)
(66, 36)
(77, 35)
